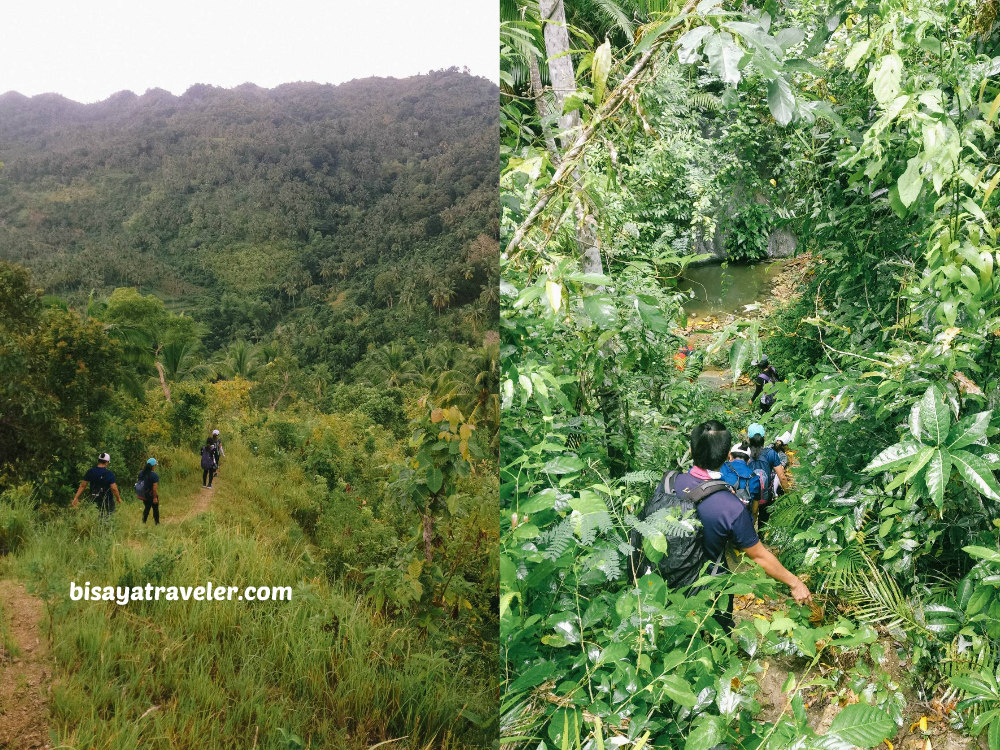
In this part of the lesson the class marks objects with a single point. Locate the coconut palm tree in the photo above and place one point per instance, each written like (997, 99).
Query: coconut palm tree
(442, 294)
(392, 366)
(178, 361)
(240, 359)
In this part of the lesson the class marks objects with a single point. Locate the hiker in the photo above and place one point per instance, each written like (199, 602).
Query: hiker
(103, 485)
(748, 484)
(147, 488)
(766, 377)
(680, 359)
(726, 524)
(209, 463)
(219, 453)
(767, 460)
(780, 446)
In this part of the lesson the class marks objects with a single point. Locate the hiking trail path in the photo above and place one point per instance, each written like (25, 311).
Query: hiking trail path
(26, 670)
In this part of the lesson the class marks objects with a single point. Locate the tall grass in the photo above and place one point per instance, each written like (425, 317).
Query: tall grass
(325, 670)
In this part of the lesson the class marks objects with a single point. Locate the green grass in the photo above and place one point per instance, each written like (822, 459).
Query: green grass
(326, 670)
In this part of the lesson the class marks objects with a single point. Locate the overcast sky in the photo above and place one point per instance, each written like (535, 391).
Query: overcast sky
(89, 49)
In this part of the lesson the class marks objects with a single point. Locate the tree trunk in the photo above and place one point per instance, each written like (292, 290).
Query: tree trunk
(163, 381)
(542, 105)
(428, 528)
(560, 63)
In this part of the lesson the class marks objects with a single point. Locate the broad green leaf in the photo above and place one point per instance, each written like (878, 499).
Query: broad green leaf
(893, 457)
(788, 38)
(935, 417)
(533, 676)
(588, 502)
(914, 422)
(780, 100)
(857, 52)
(724, 56)
(969, 430)
(599, 70)
(936, 477)
(563, 465)
(910, 181)
(756, 37)
(679, 691)
(918, 463)
(652, 317)
(553, 291)
(886, 77)
(709, 730)
(983, 553)
(863, 725)
(977, 473)
(690, 41)
(614, 652)
(598, 279)
(435, 479)
(601, 309)
(544, 500)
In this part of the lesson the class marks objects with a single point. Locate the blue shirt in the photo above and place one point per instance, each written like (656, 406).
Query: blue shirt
(724, 518)
(100, 479)
(150, 481)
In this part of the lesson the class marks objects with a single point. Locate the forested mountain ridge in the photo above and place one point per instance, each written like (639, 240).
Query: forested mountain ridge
(312, 271)
(240, 204)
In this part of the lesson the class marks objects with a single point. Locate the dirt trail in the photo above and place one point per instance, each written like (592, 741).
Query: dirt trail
(24, 677)
(202, 503)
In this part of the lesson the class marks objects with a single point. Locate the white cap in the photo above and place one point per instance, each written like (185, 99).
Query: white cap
(739, 450)
(215, 432)
(104, 457)
(785, 438)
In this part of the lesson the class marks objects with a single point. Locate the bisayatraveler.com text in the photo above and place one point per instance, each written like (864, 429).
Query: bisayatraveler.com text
(148, 593)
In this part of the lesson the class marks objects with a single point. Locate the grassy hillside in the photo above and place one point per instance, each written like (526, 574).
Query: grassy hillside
(327, 669)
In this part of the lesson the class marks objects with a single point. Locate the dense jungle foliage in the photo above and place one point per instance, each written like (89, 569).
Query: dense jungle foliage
(312, 270)
(869, 130)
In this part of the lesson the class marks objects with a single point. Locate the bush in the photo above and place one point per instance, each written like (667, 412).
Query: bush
(16, 508)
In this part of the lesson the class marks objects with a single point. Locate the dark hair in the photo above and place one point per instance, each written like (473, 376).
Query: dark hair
(756, 446)
(146, 470)
(211, 440)
(710, 444)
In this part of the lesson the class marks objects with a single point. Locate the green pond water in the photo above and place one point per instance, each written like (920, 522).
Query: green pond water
(719, 290)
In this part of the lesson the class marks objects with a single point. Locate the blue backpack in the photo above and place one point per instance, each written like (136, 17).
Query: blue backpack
(747, 483)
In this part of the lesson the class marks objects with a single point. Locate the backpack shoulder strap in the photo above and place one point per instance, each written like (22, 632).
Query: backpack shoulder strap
(710, 487)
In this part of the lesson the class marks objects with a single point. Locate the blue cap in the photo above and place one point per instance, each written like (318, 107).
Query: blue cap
(755, 429)
(151, 462)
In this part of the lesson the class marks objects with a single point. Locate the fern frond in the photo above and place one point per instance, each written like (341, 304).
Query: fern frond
(641, 477)
(704, 100)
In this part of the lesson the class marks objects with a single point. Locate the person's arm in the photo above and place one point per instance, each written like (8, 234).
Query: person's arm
(79, 491)
(773, 567)
(758, 387)
(783, 477)
(156, 494)
(114, 489)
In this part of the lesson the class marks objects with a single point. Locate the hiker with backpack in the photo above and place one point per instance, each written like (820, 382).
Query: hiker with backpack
(219, 453)
(748, 484)
(764, 383)
(766, 459)
(780, 446)
(147, 488)
(726, 524)
(103, 487)
(209, 463)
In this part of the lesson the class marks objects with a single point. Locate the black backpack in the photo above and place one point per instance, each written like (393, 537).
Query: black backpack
(685, 556)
